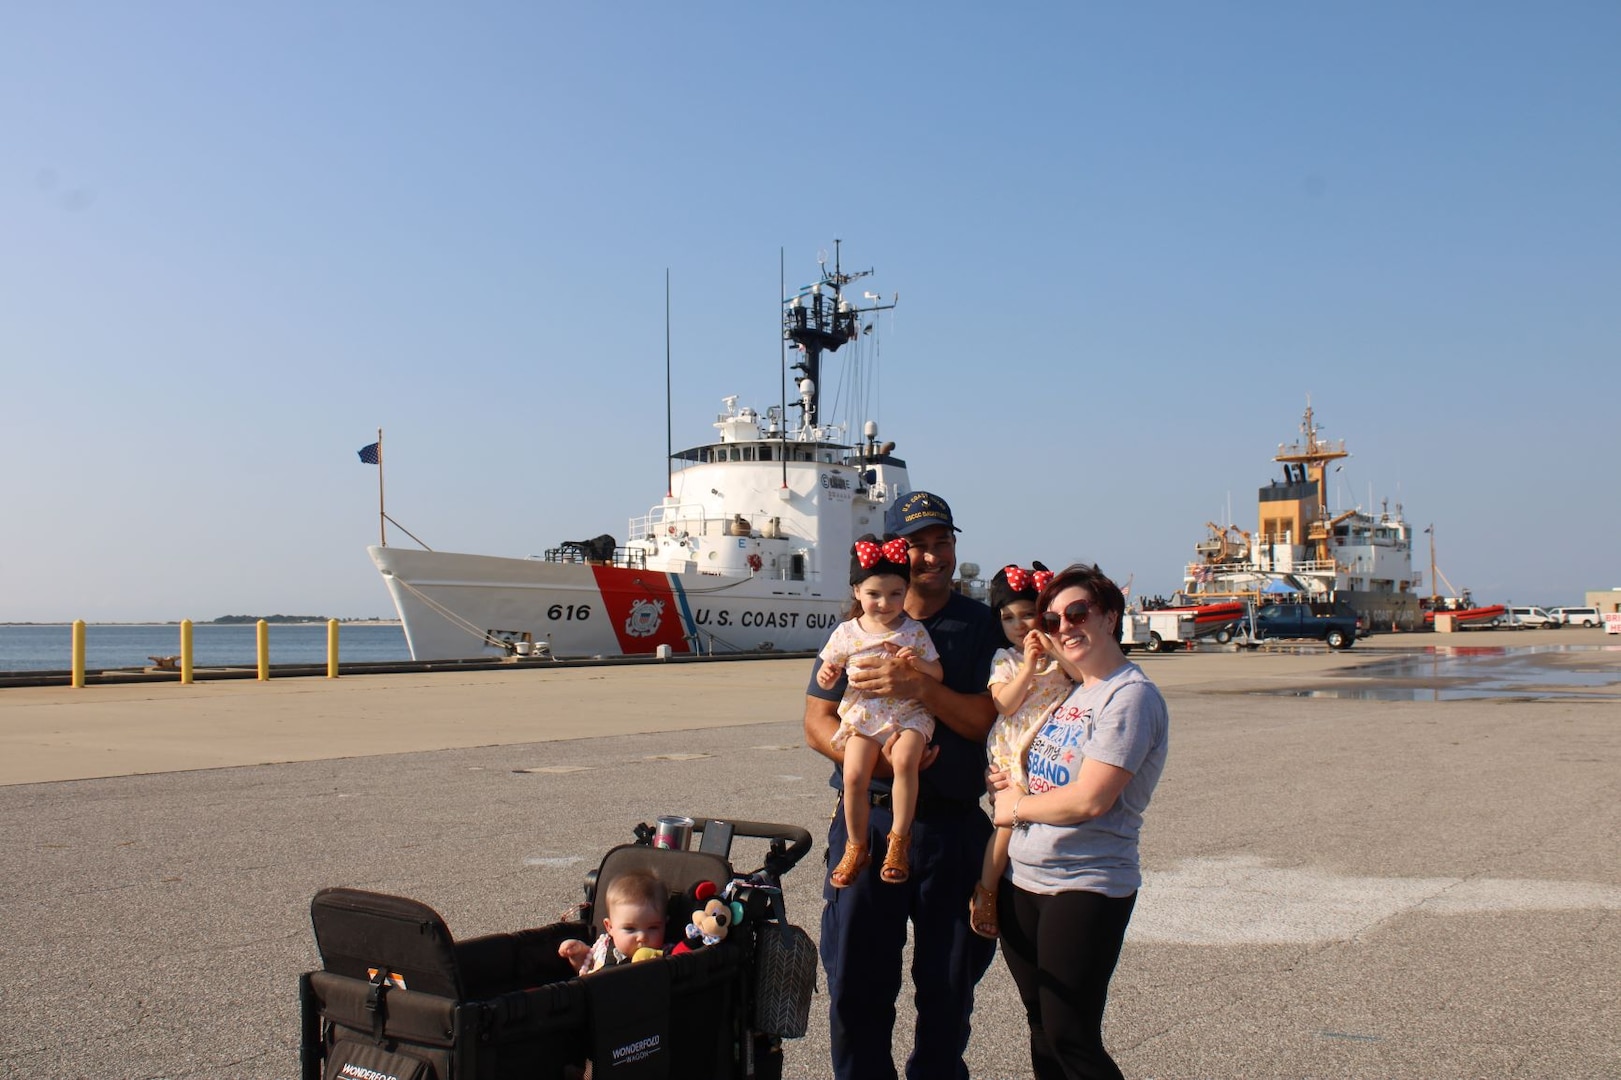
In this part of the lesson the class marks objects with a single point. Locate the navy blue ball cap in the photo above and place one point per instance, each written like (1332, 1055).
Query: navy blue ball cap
(917, 510)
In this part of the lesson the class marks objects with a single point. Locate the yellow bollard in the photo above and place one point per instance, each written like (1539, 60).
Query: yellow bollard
(332, 648)
(264, 650)
(185, 652)
(78, 653)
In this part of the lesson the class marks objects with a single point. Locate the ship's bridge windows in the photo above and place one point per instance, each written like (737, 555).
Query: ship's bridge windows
(765, 453)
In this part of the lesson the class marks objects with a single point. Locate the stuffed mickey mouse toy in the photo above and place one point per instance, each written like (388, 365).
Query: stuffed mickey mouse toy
(711, 922)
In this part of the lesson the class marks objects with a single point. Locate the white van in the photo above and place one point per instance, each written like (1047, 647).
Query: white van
(1524, 618)
(1577, 616)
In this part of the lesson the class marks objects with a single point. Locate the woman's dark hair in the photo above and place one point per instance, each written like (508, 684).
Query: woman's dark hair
(1106, 595)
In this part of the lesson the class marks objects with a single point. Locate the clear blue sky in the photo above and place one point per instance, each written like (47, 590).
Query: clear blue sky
(1129, 240)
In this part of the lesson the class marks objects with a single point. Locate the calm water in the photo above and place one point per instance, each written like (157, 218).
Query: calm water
(50, 648)
(1464, 673)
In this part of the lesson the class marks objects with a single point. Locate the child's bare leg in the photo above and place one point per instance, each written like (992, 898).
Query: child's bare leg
(982, 908)
(861, 755)
(905, 755)
(996, 857)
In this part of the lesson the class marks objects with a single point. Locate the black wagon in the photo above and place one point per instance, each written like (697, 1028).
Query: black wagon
(398, 998)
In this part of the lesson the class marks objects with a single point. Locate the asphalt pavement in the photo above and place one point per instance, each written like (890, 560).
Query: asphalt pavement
(1334, 886)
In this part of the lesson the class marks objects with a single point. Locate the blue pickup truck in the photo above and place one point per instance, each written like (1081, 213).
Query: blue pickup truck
(1337, 628)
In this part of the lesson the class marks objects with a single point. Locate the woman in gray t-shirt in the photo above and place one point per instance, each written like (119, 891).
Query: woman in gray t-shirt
(1073, 869)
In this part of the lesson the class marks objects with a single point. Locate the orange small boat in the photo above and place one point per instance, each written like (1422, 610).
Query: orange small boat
(1208, 618)
(1490, 615)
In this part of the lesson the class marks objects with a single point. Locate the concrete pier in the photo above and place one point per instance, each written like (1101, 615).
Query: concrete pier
(1358, 888)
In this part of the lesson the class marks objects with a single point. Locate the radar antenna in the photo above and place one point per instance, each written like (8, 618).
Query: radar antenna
(819, 319)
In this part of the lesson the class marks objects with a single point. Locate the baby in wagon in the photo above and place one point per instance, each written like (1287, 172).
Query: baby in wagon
(636, 904)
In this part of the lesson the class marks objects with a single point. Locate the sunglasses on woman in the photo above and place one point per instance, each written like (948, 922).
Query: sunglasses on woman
(1076, 613)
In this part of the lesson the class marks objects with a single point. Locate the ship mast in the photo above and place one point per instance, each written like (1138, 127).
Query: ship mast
(1435, 592)
(819, 319)
(1312, 455)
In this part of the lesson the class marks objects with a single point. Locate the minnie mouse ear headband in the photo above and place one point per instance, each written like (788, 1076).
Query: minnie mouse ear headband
(872, 556)
(1014, 583)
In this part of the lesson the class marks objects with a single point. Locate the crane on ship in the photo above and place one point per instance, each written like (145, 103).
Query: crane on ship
(1458, 599)
(1224, 544)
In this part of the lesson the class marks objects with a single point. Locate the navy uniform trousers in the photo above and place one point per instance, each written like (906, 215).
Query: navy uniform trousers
(864, 933)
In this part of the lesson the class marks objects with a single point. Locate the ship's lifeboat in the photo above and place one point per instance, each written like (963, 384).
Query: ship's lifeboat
(1490, 615)
(1217, 619)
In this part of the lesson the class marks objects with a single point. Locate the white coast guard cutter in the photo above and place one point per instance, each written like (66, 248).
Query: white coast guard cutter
(749, 552)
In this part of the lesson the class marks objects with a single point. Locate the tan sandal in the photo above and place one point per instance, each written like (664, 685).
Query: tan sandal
(856, 858)
(982, 913)
(898, 859)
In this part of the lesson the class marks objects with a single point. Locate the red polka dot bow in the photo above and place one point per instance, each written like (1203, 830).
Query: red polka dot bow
(868, 554)
(1019, 579)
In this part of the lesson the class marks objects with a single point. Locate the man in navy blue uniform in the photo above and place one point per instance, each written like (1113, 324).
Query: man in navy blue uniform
(864, 926)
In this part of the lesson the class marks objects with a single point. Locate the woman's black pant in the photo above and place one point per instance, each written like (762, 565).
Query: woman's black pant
(1061, 949)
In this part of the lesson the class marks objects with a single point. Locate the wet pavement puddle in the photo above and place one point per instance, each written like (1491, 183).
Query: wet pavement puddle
(1465, 673)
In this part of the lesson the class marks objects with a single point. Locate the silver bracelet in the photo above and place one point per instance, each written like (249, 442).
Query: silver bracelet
(1017, 824)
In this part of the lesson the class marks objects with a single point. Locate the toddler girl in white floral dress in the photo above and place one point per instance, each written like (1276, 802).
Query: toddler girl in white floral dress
(879, 576)
(1026, 682)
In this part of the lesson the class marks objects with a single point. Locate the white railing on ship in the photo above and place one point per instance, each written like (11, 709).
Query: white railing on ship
(1205, 571)
(692, 520)
(671, 520)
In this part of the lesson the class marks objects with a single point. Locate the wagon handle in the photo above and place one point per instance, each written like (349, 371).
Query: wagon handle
(781, 859)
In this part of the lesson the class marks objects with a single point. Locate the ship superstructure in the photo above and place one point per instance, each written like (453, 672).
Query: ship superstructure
(747, 551)
(1300, 550)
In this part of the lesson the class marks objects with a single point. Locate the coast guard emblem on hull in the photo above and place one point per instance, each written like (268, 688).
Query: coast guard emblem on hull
(644, 617)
